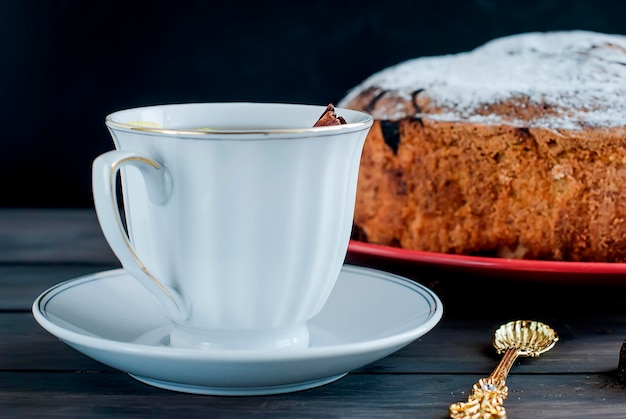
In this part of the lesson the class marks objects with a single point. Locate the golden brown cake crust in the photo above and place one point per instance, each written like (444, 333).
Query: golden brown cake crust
(519, 181)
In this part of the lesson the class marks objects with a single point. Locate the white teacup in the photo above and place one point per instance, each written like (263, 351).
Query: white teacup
(237, 215)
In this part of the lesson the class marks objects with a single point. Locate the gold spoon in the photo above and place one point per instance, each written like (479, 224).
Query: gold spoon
(516, 338)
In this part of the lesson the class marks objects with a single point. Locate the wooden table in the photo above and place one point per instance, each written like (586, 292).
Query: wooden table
(41, 376)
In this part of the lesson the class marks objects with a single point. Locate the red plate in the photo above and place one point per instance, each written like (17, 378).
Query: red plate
(416, 262)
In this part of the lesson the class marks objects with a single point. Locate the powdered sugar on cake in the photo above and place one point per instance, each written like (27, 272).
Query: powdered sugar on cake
(578, 77)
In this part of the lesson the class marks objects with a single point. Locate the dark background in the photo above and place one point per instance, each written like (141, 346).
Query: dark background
(66, 64)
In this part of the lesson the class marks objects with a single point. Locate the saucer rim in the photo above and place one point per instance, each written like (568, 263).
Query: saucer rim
(436, 313)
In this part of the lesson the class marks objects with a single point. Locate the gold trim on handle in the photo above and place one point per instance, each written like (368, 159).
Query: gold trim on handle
(113, 182)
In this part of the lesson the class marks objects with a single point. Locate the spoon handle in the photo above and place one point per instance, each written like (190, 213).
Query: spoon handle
(487, 397)
(500, 373)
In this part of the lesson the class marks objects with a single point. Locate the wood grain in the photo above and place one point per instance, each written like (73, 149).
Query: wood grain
(42, 376)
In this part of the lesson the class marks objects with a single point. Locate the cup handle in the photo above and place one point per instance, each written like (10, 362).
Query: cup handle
(158, 182)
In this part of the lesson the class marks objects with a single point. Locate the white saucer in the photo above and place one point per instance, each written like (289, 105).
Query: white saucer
(110, 317)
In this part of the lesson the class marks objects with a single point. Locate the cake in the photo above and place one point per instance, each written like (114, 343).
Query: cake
(516, 149)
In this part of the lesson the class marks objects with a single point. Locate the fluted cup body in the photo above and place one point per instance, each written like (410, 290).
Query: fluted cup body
(246, 226)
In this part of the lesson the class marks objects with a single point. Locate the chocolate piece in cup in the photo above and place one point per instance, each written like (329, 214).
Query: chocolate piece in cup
(329, 117)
